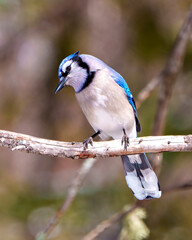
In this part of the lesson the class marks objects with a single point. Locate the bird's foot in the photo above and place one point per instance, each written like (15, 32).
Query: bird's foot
(86, 142)
(125, 140)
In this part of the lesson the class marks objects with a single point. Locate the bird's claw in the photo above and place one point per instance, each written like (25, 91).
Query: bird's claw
(125, 141)
(86, 142)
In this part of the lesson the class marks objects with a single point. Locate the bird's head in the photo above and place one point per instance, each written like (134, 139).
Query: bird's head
(73, 72)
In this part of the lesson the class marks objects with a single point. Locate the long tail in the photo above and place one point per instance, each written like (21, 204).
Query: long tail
(140, 177)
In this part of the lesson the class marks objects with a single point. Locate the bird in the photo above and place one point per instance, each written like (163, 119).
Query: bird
(109, 107)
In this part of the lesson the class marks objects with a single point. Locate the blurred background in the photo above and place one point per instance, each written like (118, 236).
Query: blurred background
(135, 38)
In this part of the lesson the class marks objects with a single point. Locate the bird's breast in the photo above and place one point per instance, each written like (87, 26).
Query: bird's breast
(107, 109)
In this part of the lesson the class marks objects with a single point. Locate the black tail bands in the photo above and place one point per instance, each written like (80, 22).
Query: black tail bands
(140, 177)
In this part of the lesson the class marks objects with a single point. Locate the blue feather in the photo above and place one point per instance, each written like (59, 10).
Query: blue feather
(65, 60)
(122, 83)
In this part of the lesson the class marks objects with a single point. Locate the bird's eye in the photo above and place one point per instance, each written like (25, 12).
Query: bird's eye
(68, 68)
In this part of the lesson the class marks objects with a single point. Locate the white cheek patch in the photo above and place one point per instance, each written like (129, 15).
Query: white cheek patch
(66, 65)
(75, 66)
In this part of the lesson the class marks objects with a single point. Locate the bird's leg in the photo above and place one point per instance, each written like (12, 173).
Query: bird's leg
(90, 140)
(125, 140)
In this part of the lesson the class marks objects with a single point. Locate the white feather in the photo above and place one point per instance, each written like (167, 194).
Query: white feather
(149, 187)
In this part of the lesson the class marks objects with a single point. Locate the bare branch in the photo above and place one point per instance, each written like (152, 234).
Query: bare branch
(29, 144)
(147, 90)
(170, 73)
(117, 217)
(101, 227)
(72, 192)
(167, 78)
(178, 187)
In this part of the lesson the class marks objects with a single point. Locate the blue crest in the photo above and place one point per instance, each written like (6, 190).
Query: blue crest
(70, 57)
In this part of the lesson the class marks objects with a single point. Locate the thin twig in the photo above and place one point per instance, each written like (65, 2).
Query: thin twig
(72, 192)
(168, 78)
(181, 186)
(117, 217)
(170, 73)
(101, 227)
(29, 144)
(147, 90)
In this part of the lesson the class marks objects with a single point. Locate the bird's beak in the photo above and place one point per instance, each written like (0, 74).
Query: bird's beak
(61, 84)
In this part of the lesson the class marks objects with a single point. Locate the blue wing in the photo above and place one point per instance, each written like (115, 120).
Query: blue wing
(122, 83)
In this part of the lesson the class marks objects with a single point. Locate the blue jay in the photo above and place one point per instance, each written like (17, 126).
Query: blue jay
(108, 105)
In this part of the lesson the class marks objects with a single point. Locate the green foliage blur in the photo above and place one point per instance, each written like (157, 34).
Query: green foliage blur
(133, 37)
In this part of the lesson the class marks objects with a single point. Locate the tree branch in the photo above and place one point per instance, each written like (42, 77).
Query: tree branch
(147, 90)
(71, 194)
(117, 217)
(178, 187)
(101, 227)
(29, 144)
(170, 73)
